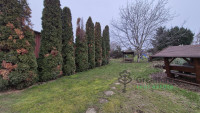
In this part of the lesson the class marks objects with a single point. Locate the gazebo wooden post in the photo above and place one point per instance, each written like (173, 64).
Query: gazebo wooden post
(167, 67)
(197, 69)
(123, 58)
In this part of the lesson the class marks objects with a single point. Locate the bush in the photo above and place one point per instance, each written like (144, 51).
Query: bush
(91, 43)
(98, 44)
(50, 59)
(18, 67)
(117, 53)
(81, 51)
(69, 66)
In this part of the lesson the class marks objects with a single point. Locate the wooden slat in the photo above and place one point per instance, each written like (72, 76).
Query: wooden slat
(182, 68)
(197, 69)
(185, 75)
(184, 81)
(172, 60)
(188, 61)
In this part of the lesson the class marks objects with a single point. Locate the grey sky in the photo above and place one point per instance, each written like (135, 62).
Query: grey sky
(104, 10)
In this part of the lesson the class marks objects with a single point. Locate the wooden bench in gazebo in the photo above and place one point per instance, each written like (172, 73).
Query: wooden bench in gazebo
(190, 53)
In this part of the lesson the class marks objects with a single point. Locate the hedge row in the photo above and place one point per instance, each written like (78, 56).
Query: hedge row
(58, 56)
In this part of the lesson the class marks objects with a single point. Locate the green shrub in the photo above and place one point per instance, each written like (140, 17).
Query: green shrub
(91, 43)
(50, 59)
(98, 44)
(81, 51)
(18, 63)
(107, 43)
(105, 46)
(69, 66)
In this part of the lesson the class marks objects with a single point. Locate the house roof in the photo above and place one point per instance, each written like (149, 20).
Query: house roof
(188, 51)
(37, 32)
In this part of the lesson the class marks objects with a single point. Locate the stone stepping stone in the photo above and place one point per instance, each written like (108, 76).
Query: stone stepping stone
(117, 83)
(109, 93)
(102, 100)
(113, 87)
(91, 110)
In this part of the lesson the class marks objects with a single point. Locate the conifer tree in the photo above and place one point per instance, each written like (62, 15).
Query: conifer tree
(81, 52)
(68, 43)
(98, 44)
(50, 58)
(107, 43)
(104, 60)
(18, 67)
(91, 43)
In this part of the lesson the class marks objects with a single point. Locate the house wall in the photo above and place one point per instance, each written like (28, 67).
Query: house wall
(37, 43)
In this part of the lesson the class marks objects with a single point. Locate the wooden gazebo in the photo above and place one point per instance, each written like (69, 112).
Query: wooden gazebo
(125, 57)
(190, 53)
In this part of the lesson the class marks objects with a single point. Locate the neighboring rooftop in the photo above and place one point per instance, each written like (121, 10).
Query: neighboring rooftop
(187, 51)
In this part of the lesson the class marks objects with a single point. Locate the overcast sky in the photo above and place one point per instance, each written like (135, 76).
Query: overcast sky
(104, 11)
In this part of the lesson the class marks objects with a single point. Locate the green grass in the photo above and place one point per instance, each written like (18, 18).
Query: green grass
(74, 94)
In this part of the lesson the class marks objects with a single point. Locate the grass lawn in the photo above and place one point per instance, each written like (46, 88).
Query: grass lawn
(74, 94)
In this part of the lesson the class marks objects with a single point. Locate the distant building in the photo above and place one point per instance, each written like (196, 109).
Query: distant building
(37, 43)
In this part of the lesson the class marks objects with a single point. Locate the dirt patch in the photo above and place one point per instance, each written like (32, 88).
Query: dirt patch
(162, 78)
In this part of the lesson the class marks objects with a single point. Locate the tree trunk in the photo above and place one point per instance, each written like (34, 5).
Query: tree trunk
(138, 54)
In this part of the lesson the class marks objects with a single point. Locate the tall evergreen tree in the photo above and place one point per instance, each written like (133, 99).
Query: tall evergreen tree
(81, 51)
(69, 66)
(50, 58)
(107, 42)
(18, 67)
(91, 43)
(98, 44)
(104, 61)
(171, 37)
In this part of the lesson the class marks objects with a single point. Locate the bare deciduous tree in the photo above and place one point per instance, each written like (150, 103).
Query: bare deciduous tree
(138, 21)
(197, 41)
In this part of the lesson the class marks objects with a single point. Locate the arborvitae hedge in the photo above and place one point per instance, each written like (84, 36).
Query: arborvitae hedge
(91, 43)
(104, 60)
(107, 43)
(50, 58)
(81, 52)
(18, 67)
(68, 55)
(98, 44)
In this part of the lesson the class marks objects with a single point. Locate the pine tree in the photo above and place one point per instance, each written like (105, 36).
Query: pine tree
(69, 66)
(50, 58)
(81, 52)
(91, 43)
(18, 67)
(104, 60)
(107, 43)
(98, 44)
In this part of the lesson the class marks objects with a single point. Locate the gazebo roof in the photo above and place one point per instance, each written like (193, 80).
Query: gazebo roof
(128, 52)
(188, 51)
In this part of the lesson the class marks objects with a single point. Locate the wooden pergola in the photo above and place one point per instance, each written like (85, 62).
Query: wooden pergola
(190, 53)
(125, 59)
